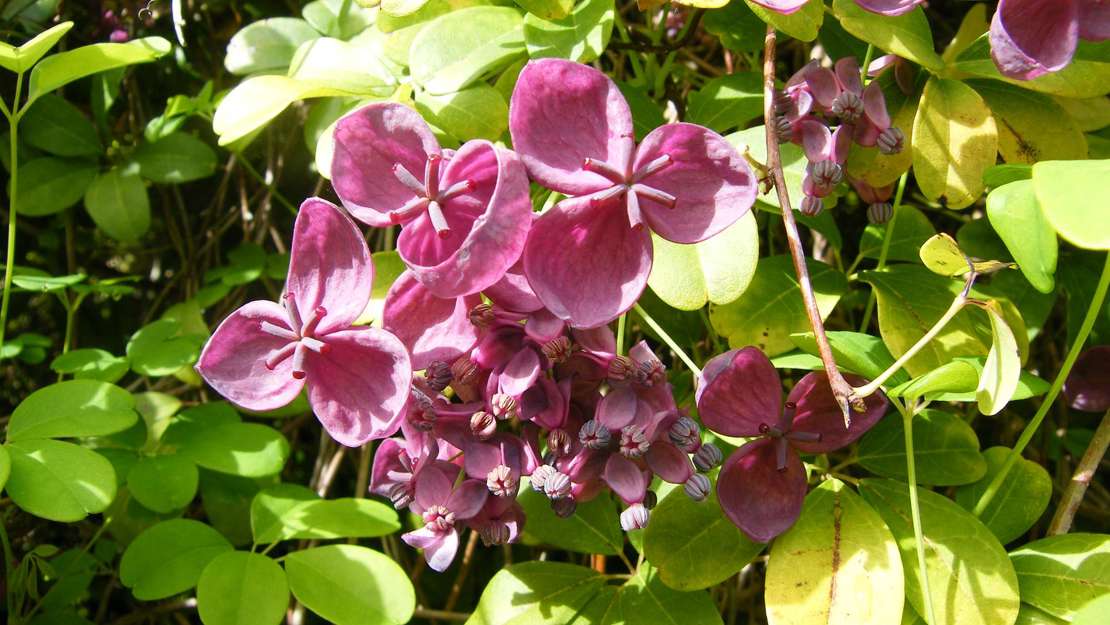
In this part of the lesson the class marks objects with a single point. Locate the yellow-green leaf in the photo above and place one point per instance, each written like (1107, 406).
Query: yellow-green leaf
(1001, 371)
(1031, 126)
(974, 24)
(907, 35)
(954, 142)
(716, 270)
(65, 67)
(803, 24)
(1072, 195)
(20, 59)
(1016, 216)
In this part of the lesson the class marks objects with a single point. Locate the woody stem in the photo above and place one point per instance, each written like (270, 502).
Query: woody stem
(842, 391)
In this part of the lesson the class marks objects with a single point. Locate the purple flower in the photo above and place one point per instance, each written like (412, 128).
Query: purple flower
(465, 214)
(1030, 38)
(442, 506)
(1086, 387)
(264, 354)
(762, 485)
(432, 328)
(882, 7)
(588, 258)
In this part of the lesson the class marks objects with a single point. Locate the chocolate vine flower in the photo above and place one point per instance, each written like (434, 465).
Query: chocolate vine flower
(264, 354)
(1086, 387)
(1030, 38)
(882, 7)
(465, 214)
(588, 258)
(432, 328)
(442, 506)
(761, 486)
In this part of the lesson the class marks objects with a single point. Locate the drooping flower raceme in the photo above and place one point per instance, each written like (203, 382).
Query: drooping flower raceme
(265, 353)
(588, 258)
(1030, 38)
(761, 486)
(882, 7)
(465, 214)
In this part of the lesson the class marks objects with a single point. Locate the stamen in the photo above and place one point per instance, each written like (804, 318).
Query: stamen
(310, 326)
(603, 169)
(278, 331)
(439, 222)
(410, 210)
(605, 195)
(316, 345)
(409, 180)
(460, 187)
(298, 360)
(431, 174)
(291, 310)
(786, 421)
(651, 193)
(277, 356)
(635, 217)
(654, 166)
(805, 437)
(780, 454)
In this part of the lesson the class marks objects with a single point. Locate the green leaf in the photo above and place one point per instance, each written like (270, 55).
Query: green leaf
(253, 103)
(753, 141)
(59, 481)
(943, 256)
(118, 203)
(1016, 216)
(388, 266)
(907, 35)
(477, 112)
(5, 466)
(971, 580)
(458, 48)
(168, 558)
(227, 501)
(160, 348)
(945, 449)
(58, 127)
(1087, 76)
(1004, 174)
(1060, 574)
(335, 67)
(803, 24)
(693, 544)
(838, 563)
(65, 67)
(76, 408)
(737, 27)
(1020, 500)
(291, 511)
(163, 483)
(646, 600)
(954, 141)
(593, 528)
(91, 364)
(999, 379)
(241, 588)
(1028, 385)
(1093, 612)
(50, 185)
(537, 592)
(716, 270)
(957, 376)
(771, 308)
(246, 449)
(350, 585)
(1064, 190)
(401, 8)
(1031, 126)
(175, 158)
(727, 102)
(547, 9)
(580, 36)
(246, 264)
(324, 17)
(857, 353)
(21, 59)
(911, 230)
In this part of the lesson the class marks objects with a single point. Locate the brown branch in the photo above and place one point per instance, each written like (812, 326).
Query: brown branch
(443, 615)
(1084, 473)
(842, 391)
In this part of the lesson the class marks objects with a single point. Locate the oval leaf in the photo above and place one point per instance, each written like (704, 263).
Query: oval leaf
(50, 185)
(169, 557)
(55, 125)
(1060, 574)
(803, 24)
(163, 483)
(240, 588)
(177, 157)
(75, 408)
(1064, 190)
(118, 203)
(267, 45)
(593, 528)
(999, 379)
(907, 35)
(716, 270)
(1020, 501)
(945, 449)
(65, 67)
(1016, 216)
(580, 36)
(460, 47)
(59, 481)
(537, 592)
(351, 585)
(954, 142)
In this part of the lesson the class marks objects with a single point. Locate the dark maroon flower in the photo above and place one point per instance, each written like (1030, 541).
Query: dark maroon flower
(1088, 385)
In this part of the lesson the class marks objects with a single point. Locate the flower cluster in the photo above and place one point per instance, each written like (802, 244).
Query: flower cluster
(825, 111)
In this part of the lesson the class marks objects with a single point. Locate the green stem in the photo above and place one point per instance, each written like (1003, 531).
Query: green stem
(1035, 423)
(668, 340)
(9, 558)
(634, 60)
(13, 191)
(866, 62)
(344, 9)
(884, 252)
(622, 321)
(915, 512)
(273, 190)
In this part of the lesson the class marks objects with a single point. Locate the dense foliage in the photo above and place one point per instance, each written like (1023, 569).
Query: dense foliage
(489, 311)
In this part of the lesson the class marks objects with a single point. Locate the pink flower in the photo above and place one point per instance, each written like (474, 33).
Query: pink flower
(442, 507)
(762, 485)
(465, 214)
(264, 353)
(1030, 38)
(882, 7)
(588, 258)
(432, 328)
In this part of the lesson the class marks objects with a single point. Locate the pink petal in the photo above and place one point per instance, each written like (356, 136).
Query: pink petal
(822, 84)
(513, 293)
(758, 498)
(542, 326)
(818, 412)
(847, 75)
(713, 185)
(545, 404)
(562, 113)
(368, 143)
(641, 353)
(520, 373)
(439, 547)
(1030, 38)
(669, 462)
(889, 7)
(432, 328)
(359, 388)
(234, 359)
(467, 499)
(617, 409)
(874, 105)
(599, 341)
(329, 266)
(815, 139)
(585, 263)
(433, 484)
(488, 226)
(387, 460)
(1094, 20)
(625, 478)
(737, 398)
(786, 7)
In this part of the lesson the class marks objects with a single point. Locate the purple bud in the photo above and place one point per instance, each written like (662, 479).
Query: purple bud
(494, 534)
(848, 106)
(811, 206)
(504, 407)
(685, 434)
(540, 475)
(482, 425)
(827, 174)
(783, 102)
(501, 481)
(438, 374)
(464, 370)
(621, 368)
(564, 507)
(557, 350)
(482, 315)
(119, 35)
(634, 442)
(635, 517)
(401, 495)
(784, 130)
(594, 435)
(880, 212)
(650, 499)
(697, 487)
(558, 442)
(557, 485)
(707, 457)
(891, 141)
(652, 373)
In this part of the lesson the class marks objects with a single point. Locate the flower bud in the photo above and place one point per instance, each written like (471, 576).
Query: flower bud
(622, 368)
(482, 425)
(464, 370)
(494, 534)
(557, 349)
(848, 106)
(651, 373)
(650, 499)
(558, 442)
(401, 495)
(685, 434)
(707, 457)
(811, 206)
(438, 374)
(827, 174)
(891, 141)
(564, 507)
(697, 487)
(783, 102)
(594, 435)
(504, 407)
(880, 212)
(482, 315)
(635, 517)
(540, 475)
(784, 130)
(557, 485)
(501, 481)
(634, 442)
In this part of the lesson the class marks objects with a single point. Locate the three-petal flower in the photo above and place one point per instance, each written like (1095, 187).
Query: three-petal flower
(1030, 38)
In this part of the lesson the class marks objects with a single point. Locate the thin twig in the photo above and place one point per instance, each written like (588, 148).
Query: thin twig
(1084, 473)
(464, 569)
(442, 615)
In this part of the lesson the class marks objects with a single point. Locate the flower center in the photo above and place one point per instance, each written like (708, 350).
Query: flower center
(299, 340)
(630, 185)
(439, 519)
(782, 433)
(429, 197)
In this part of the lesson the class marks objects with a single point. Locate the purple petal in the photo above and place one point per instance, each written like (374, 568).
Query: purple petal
(641, 353)
(822, 84)
(669, 462)
(786, 7)
(817, 412)
(599, 341)
(735, 399)
(815, 139)
(467, 499)
(625, 478)
(1030, 38)
(369, 142)
(542, 326)
(562, 113)
(1094, 20)
(617, 409)
(758, 498)
(585, 263)
(439, 547)
(432, 328)
(545, 403)
(488, 225)
(1088, 385)
(520, 373)
(359, 388)
(513, 293)
(480, 457)
(387, 465)
(847, 75)
(433, 484)
(889, 7)
(712, 184)
(234, 360)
